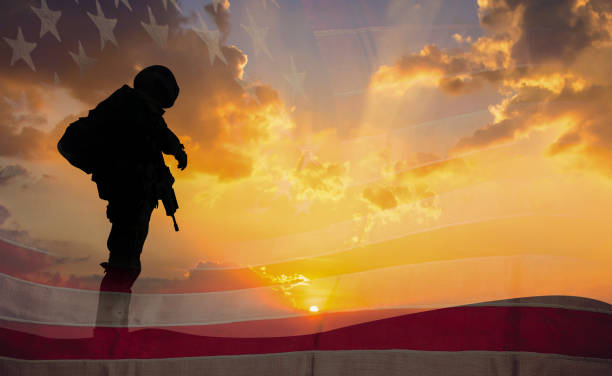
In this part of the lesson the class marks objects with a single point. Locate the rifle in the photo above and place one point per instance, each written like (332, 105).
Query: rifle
(167, 195)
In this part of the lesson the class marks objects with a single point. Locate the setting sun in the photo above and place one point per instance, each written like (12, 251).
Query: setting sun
(313, 309)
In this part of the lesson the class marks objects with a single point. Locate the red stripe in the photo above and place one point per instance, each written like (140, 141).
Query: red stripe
(283, 327)
(532, 329)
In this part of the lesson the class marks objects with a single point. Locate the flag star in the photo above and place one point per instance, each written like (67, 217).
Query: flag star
(303, 206)
(283, 187)
(248, 87)
(173, 2)
(159, 33)
(296, 80)
(81, 59)
(308, 154)
(265, 3)
(258, 35)
(105, 26)
(21, 49)
(216, 4)
(211, 38)
(48, 19)
(124, 2)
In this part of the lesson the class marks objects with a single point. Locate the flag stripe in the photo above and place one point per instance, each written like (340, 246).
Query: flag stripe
(492, 278)
(307, 323)
(444, 242)
(307, 363)
(467, 328)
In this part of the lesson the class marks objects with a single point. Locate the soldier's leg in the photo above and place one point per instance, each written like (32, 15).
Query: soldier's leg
(130, 226)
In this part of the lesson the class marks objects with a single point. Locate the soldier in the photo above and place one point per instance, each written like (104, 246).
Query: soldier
(131, 126)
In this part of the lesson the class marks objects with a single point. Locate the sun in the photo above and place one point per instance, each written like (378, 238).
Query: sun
(313, 309)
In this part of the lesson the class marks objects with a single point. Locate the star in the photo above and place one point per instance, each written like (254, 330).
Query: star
(265, 3)
(303, 207)
(216, 4)
(21, 49)
(258, 34)
(173, 2)
(105, 26)
(308, 154)
(283, 187)
(296, 80)
(211, 38)
(124, 2)
(248, 87)
(159, 33)
(48, 19)
(81, 59)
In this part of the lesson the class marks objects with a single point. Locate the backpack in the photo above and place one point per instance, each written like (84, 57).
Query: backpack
(80, 144)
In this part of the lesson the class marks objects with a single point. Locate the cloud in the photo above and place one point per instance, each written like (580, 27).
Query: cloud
(454, 73)
(21, 118)
(11, 172)
(321, 180)
(38, 264)
(550, 31)
(215, 265)
(221, 18)
(548, 60)
(407, 184)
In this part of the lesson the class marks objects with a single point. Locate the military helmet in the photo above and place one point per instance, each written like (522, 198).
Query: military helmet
(159, 83)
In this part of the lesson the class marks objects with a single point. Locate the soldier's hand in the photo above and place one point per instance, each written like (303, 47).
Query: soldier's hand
(181, 157)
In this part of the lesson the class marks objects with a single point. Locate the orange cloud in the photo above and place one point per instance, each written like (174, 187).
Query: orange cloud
(532, 53)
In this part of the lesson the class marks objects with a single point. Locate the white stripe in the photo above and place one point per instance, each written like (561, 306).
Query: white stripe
(374, 29)
(324, 363)
(425, 285)
(29, 248)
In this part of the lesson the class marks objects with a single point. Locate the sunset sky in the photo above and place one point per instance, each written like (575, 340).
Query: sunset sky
(359, 154)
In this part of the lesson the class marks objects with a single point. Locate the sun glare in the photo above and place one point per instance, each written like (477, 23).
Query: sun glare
(313, 309)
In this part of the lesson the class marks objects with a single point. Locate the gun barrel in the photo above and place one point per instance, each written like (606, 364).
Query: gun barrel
(176, 228)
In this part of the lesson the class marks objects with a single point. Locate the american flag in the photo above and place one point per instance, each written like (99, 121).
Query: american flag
(374, 187)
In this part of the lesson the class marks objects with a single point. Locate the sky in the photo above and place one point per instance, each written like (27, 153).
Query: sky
(354, 154)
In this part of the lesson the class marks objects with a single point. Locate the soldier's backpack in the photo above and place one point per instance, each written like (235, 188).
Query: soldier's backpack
(80, 144)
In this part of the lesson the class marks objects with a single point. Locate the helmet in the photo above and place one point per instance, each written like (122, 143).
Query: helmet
(159, 83)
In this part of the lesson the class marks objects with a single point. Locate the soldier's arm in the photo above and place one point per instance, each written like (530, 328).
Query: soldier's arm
(172, 146)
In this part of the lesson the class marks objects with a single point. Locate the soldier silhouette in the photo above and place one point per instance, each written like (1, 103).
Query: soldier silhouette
(127, 136)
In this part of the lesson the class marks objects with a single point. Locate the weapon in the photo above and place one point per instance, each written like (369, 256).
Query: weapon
(167, 195)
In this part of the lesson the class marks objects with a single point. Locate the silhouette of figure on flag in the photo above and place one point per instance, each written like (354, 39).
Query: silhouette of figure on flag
(121, 143)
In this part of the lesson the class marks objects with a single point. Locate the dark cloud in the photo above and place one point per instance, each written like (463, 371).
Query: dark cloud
(221, 18)
(11, 172)
(550, 30)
